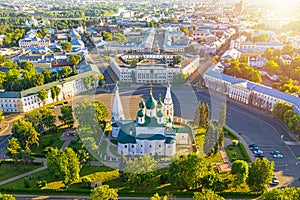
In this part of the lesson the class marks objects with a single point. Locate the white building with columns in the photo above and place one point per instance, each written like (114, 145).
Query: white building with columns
(151, 133)
(26, 100)
(248, 92)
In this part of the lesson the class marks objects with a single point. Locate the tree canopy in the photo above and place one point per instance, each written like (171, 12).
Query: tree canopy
(25, 133)
(260, 174)
(64, 164)
(187, 171)
(103, 192)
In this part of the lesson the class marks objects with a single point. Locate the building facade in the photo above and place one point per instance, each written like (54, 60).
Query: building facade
(151, 68)
(248, 92)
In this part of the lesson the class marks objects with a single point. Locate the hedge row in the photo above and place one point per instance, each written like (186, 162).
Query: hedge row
(143, 193)
(244, 152)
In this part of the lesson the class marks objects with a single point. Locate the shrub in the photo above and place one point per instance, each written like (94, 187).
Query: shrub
(235, 142)
(26, 183)
(86, 182)
(41, 183)
(163, 179)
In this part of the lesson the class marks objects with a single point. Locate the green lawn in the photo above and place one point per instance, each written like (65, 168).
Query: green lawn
(235, 152)
(114, 150)
(48, 140)
(230, 135)
(215, 158)
(103, 147)
(8, 170)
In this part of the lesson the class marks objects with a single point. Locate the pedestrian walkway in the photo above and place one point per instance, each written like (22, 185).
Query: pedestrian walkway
(22, 175)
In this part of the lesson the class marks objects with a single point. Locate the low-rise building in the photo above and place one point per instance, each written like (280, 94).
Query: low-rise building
(248, 92)
(151, 68)
(26, 100)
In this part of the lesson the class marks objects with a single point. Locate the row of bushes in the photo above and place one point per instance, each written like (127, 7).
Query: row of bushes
(247, 158)
(143, 193)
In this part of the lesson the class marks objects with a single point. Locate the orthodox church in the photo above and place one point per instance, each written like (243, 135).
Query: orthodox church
(151, 132)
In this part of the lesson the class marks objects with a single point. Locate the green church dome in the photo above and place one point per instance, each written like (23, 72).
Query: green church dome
(151, 102)
(141, 113)
(160, 113)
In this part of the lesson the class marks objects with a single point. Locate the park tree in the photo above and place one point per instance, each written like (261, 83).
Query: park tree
(103, 192)
(1, 115)
(67, 115)
(211, 138)
(55, 91)
(48, 118)
(13, 148)
(42, 95)
(122, 164)
(90, 112)
(289, 193)
(240, 171)
(207, 195)
(202, 114)
(25, 133)
(187, 171)
(272, 67)
(75, 59)
(279, 109)
(268, 54)
(87, 82)
(7, 197)
(66, 46)
(260, 174)
(47, 75)
(64, 165)
(67, 71)
(83, 156)
(179, 79)
(140, 171)
(222, 123)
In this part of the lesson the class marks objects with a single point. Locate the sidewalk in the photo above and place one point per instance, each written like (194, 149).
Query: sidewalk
(22, 175)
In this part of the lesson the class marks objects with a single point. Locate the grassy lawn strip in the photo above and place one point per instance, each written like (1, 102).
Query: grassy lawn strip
(114, 150)
(103, 147)
(48, 140)
(235, 152)
(8, 170)
(230, 135)
(216, 158)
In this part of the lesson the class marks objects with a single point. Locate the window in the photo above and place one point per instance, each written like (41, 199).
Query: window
(150, 146)
(159, 145)
(132, 146)
(141, 145)
(125, 146)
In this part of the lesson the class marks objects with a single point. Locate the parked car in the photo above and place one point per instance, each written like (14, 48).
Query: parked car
(52, 107)
(71, 134)
(275, 152)
(274, 182)
(253, 147)
(278, 155)
(258, 152)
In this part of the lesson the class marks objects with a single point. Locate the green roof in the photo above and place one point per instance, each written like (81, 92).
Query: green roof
(170, 140)
(142, 104)
(151, 102)
(160, 113)
(151, 122)
(141, 113)
(159, 104)
(150, 137)
(181, 130)
(125, 138)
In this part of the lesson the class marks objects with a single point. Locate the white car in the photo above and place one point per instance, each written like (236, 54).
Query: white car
(258, 152)
(278, 155)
